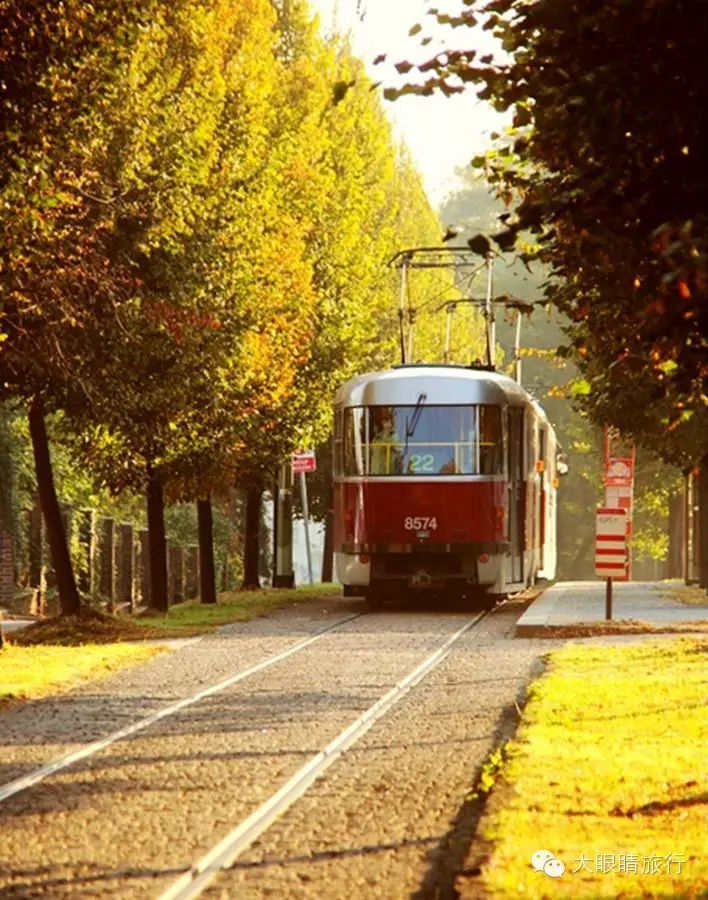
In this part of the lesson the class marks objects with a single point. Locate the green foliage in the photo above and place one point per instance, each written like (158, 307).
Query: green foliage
(656, 485)
(553, 380)
(13, 469)
(61, 71)
(604, 163)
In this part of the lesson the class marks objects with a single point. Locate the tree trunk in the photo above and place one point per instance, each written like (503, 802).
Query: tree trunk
(251, 540)
(328, 548)
(66, 585)
(675, 558)
(156, 542)
(701, 542)
(207, 578)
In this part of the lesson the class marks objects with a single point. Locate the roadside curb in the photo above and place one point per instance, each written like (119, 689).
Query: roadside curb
(616, 627)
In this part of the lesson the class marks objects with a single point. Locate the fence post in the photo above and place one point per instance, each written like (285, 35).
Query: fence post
(144, 542)
(37, 573)
(192, 573)
(176, 574)
(7, 569)
(125, 565)
(86, 562)
(107, 555)
(34, 542)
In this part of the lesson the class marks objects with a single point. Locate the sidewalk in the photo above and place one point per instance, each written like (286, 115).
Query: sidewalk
(8, 625)
(571, 603)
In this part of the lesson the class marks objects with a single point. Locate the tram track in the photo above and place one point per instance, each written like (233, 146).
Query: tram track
(24, 782)
(168, 808)
(203, 872)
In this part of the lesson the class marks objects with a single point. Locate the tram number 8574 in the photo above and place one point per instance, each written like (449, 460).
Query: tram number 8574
(420, 523)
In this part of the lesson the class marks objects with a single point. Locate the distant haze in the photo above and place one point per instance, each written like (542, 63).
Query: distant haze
(442, 133)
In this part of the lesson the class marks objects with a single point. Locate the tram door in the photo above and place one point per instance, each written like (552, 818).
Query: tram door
(515, 431)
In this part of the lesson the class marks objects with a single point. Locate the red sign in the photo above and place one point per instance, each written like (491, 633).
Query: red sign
(304, 462)
(619, 472)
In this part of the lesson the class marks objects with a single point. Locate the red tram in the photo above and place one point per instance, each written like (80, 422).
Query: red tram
(444, 480)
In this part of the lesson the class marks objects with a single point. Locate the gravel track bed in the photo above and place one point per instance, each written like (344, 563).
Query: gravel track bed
(126, 821)
(390, 818)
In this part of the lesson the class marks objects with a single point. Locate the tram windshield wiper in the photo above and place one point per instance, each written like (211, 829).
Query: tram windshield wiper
(413, 424)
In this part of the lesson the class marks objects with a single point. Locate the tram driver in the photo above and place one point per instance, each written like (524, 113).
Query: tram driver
(385, 457)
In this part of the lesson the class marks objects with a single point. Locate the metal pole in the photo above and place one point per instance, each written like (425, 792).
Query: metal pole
(306, 523)
(608, 599)
(276, 529)
(517, 348)
(489, 315)
(686, 550)
(284, 576)
(402, 310)
(448, 332)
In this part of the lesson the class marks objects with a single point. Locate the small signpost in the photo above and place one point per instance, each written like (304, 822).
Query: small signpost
(619, 479)
(304, 461)
(611, 549)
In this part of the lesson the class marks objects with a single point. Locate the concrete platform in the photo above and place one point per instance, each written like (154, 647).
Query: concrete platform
(571, 603)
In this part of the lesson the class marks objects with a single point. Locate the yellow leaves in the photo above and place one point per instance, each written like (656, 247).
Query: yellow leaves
(668, 367)
(257, 215)
(560, 391)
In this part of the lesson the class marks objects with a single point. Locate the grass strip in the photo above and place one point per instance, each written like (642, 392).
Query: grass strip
(30, 672)
(182, 620)
(56, 654)
(607, 773)
(235, 606)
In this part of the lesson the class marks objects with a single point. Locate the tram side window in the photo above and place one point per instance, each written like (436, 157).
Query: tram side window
(491, 456)
(353, 440)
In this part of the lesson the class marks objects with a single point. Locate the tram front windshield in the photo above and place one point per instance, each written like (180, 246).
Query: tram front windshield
(423, 440)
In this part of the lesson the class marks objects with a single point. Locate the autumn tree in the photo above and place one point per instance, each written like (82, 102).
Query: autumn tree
(62, 64)
(209, 341)
(606, 155)
(604, 164)
(375, 206)
(473, 209)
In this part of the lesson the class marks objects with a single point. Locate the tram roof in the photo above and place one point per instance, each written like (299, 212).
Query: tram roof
(442, 384)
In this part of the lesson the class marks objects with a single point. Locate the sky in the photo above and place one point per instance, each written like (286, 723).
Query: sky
(442, 133)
